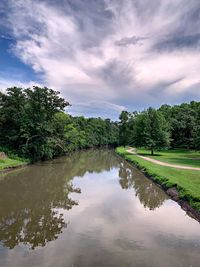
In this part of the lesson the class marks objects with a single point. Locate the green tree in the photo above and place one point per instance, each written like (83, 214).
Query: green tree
(151, 130)
(183, 121)
(28, 121)
(197, 138)
(124, 129)
(12, 113)
(183, 126)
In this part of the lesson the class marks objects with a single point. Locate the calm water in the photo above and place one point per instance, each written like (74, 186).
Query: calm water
(91, 209)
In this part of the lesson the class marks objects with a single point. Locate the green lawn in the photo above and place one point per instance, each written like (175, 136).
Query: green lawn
(178, 157)
(186, 181)
(11, 163)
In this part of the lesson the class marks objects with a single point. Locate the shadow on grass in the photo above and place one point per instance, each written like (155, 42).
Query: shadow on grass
(192, 157)
(184, 161)
(149, 154)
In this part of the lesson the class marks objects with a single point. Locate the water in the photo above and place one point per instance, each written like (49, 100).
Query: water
(91, 209)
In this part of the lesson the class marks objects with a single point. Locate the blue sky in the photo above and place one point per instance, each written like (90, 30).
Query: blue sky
(104, 56)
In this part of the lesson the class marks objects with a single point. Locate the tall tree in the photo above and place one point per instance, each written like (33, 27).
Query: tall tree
(124, 129)
(28, 116)
(151, 130)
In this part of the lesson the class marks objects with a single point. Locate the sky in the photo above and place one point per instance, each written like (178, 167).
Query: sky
(104, 56)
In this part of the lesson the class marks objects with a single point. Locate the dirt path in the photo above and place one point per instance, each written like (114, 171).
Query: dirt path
(132, 151)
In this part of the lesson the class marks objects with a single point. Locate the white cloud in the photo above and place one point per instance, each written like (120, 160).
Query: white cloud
(96, 109)
(6, 83)
(77, 53)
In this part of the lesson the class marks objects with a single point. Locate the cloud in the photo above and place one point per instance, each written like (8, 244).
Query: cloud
(8, 83)
(96, 109)
(124, 53)
(6, 37)
(130, 41)
(179, 42)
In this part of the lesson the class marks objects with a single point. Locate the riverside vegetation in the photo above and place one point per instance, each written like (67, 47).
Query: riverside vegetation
(34, 126)
(174, 133)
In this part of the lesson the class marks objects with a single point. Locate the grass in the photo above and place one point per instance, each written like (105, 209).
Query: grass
(177, 157)
(6, 163)
(187, 182)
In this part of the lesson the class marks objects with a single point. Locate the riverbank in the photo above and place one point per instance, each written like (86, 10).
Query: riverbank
(9, 163)
(182, 185)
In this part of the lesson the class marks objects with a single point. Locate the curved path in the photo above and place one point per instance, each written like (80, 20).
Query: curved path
(132, 151)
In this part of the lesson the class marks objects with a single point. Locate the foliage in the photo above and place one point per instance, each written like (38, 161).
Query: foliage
(33, 125)
(184, 124)
(177, 126)
(151, 130)
(148, 128)
(27, 116)
(124, 128)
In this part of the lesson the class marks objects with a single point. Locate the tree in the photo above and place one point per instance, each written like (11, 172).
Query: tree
(183, 126)
(124, 129)
(33, 124)
(27, 125)
(151, 130)
(12, 112)
(197, 139)
(183, 121)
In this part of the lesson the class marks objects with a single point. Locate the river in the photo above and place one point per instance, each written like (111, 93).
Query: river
(91, 209)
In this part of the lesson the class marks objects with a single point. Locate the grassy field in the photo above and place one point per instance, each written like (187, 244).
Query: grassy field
(11, 163)
(177, 157)
(186, 181)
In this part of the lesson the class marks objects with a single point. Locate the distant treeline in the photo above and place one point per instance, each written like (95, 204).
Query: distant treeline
(169, 126)
(34, 125)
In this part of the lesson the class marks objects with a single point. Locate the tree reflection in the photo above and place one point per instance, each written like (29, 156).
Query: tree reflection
(32, 200)
(150, 195)
(29, 213)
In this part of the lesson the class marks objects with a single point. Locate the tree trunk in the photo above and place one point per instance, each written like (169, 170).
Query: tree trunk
(152, 151)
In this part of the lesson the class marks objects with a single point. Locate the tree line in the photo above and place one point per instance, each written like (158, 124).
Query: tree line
(166, 127)
(34, 125)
